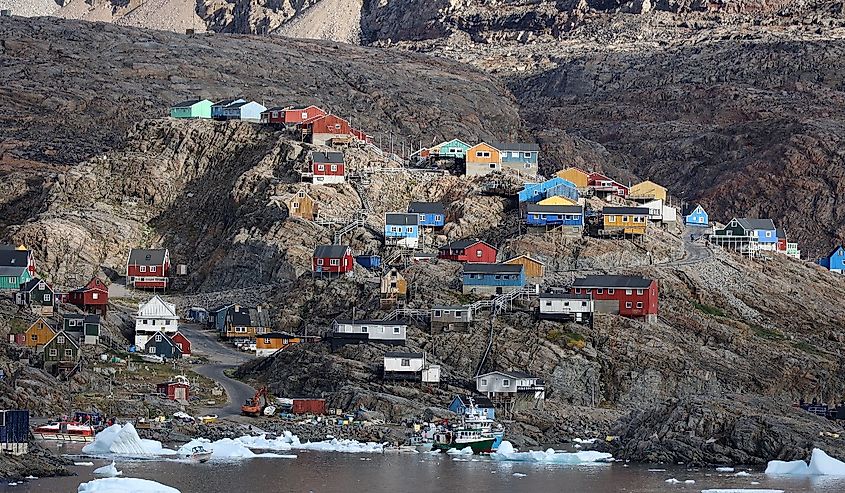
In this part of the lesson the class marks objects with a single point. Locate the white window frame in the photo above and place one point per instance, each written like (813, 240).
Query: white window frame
(151, 350)
(405, 362)
(152, 268)
(365, 329)
(319, 261)
(639, 304)
(506, 382)
(334, 262)
(627, 304)
(54, 352)
(397, 330)
(68, 352)
(142, 268)
(610, 290)
(60, 340)
(95, 296)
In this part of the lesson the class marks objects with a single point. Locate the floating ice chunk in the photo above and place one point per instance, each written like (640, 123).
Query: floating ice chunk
(795, 467)
(740, 490)
(109, 471)
(689, 481)
(507, 452)
(226, 449)
(821, 464)
(673, 481)
(742, 473)
(124, 485)
(89, 464)
(124, 440)
(725, 469)
(657, 470)
(519, 475)
(30, 477)
(463, 451)
(584, 440)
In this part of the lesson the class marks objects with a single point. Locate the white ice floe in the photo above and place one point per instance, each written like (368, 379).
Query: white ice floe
(227, 449)
(742, 473)
(507, 452)
(463, 451)
(289, 441)
(725, 469)
(820, 464)
(673, 481)
(740, 490)
(124, 440)
(584, 440)
(30, 477)
(689, 481)
(109, 471)
(89, 464)
(519, 475)
(657, 470)
(124, 485)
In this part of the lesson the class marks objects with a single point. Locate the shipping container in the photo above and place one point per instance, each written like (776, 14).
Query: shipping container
(369, 262)
(309, 406)
(14, 426)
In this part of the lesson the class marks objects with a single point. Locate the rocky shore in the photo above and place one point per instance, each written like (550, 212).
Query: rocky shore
(37, 463)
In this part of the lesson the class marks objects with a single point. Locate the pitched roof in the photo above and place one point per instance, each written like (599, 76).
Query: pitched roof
(187, 103)
(276, 108)
(147, 256)
(92, 319)
(479, 400)
(226, 102)
(780, 233)
(449, 307)
(68, 338)
(249, 317)
(237, 104)
(512, 374)
(331, 157)
(463, 244)
(330, 251)
(553, 209)
(6, 271)
(165, 338)
(33, 283)
(371, 322)
(402, 354)
(278, 335)
(515, 146)
(402, 218)
(751, 223)
(607, 281)
(73, 316)
(626, 210)
(525, 256)
(480, 268)
(565, 296)
(426, 208)
(12, 257)
(156, 306)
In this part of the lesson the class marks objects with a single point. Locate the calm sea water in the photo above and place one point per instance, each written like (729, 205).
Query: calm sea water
(352, 473)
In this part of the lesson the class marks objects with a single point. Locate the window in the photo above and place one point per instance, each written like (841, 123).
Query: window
(526, 155)
(549, 303)
(321, 167)
(624, 219)
(459, 314)
(409, 229)
(365, 329)
(583, 303)
(179, 345)
(334, 167)
(768, 234)
(13, 280)
(304, 115)
(478, 253)
(438, 217)
(492, 165)
(143, 268)
(599, 291)
(47, 297)
(527, 165)
(611, 219)
(34, 337)
(610, 290)
(396, 330)
(482, 154)
(506, 383)
(319, 261)
(60, 340)
(68, 352)
(639, 292)
(95, 296)
(406, 362)
(266, 340)
(628, 292)
(53, 352)
(483, 382)
(639, 304)
(577, 290)
(627, 304)
(152, 268)
(437, 314)
(701, 219)
(589, 291)
(295, 205)
(151, 350)
(158, 338)
(337, 126)
(335, 261)
(144, 322)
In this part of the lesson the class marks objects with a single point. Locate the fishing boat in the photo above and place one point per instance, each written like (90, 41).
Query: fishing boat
(66, 431)
(200, 454)
(475, 430)
(421, 443)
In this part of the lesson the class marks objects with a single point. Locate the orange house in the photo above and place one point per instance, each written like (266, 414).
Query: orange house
(577, 176)
(39, 333)
(481, 159)
(267, 344)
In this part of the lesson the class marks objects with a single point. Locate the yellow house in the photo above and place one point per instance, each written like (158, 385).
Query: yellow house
(578, 177)
(532, 267)
(647, 190)
(482, 158)
(627, 220)
(39, 333)
(303, 205)
(558, 200)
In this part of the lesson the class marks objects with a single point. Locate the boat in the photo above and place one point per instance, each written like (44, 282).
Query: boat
(200, 454)
(420, 442)
(475, 430)
(65, 431)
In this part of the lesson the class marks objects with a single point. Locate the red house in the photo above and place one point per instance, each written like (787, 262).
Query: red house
(604, 185)
(469, 251)
(148, 268)
(322, 130)
(327, 167)
(629, 296)
(361, 135)
(182, 342)
(290, 115)
(93, 297)
(332, 259)
(175, 391)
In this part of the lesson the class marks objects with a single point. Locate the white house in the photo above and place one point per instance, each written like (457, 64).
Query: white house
(244, 110)
(566, 306)
(500, 383)
(386, 331)
(153, 316)
(410, 366)
(660, 212)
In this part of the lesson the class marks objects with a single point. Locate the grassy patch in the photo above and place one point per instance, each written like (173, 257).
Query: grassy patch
(806, 347)
(709, 310)
(572, 340)
(17, 326)
(770, 334)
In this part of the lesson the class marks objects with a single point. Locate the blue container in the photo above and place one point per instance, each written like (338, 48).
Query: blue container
(369, 262)
(14, 426)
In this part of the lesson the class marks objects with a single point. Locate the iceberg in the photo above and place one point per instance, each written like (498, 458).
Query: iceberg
(226, 449)
(289, 441)
(124, 485)
(507, 452)
(820, 464)
(463, 451)
(124, 440)
(109, 471)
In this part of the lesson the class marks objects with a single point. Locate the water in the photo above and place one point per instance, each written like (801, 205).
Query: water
(345, 473)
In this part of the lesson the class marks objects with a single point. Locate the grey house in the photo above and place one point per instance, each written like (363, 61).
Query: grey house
(450, 317)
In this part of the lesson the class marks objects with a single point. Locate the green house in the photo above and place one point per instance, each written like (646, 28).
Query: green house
(16, 267)
(192, 108)
(454, 148)
(62, 348)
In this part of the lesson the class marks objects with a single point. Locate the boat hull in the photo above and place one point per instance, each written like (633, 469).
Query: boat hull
(62, 437)
(484, 446)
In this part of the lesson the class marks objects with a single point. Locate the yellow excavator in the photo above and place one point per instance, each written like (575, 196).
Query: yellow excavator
(254, 406)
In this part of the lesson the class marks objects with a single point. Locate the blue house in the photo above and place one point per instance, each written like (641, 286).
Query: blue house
(522, 158)
(159, 344)
(461, 402)
(697, 217)
(492, 279)
(217, 108)
(557, 186)
(432, 214)
(402, 229)
(764, 231)
(554, 215)
(835, 260)
(217, 318)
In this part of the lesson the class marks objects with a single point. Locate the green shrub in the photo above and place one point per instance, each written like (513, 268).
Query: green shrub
(709, 310)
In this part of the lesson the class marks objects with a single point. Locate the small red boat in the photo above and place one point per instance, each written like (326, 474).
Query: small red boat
(66, 431)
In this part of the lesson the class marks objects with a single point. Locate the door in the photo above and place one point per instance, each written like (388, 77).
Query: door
(179, 394)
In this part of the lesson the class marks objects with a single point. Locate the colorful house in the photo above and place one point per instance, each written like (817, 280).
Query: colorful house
(455, 148)
(90, 330)
(569, 217)
(218, 107)
(182, 342)
(328, 167)
(747, 235)
(394, 287)
(62, 348)
(17, 266)
(566, 306)
(482, 159)
(786, 247)
(628, 296)
(292, 115)
(557, 200)
(576, 176)
(332, 259)
(606, 188)
(192, 108)
(153, 316)
(460, 404)
(432, 214)
(516, 390)
(303, 205)
(535, 192)
(14, 432)
(38, 295)
(93, 297)
(648, 191)
(160, 344)
(835, 260)
(534, 269)
(697, 217)
(492, 279)
(174, 391)
(450, 317)
(625, 220)
(38, 334)
(243, 110)
(519, 157)
(148, 268)
(246, 322)
(269, 343)
(471, 250)
(325, 129)
(73, 323)
(402, 229)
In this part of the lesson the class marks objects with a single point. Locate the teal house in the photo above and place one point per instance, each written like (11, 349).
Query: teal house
(454, 148)
(16, 267)
(192, 108)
